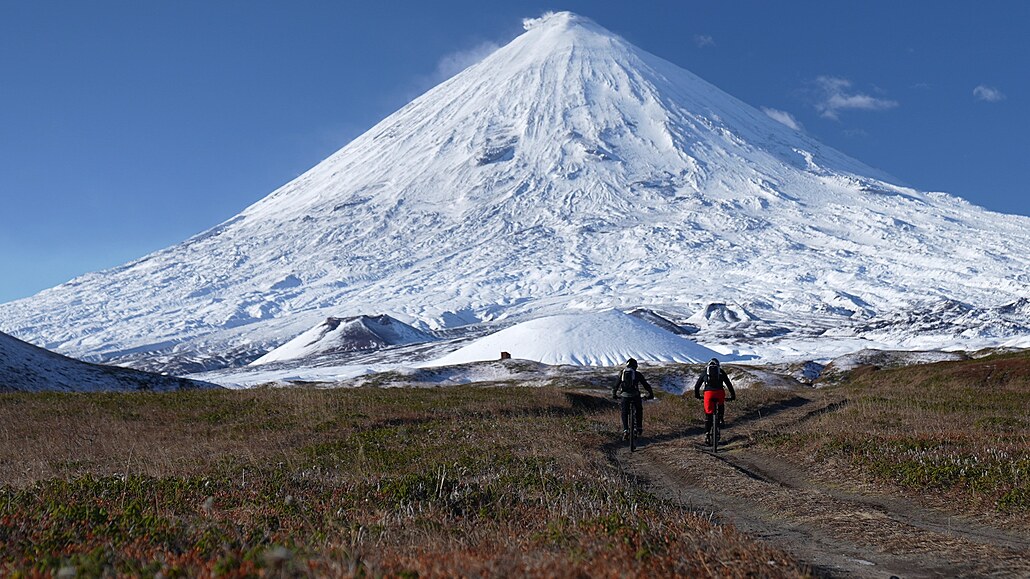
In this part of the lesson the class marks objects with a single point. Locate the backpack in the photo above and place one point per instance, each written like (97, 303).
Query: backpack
(713, 379)
(628, 381)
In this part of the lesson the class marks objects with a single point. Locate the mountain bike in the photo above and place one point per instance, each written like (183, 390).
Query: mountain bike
(632, 434)
(717, 427)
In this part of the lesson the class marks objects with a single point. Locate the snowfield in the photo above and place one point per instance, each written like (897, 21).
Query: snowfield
(568, 172)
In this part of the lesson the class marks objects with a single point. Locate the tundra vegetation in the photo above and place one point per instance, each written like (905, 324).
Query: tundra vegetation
(465, 480)
(955, 434)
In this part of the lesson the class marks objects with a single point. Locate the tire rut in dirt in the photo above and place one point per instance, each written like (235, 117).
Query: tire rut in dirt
(837, 532)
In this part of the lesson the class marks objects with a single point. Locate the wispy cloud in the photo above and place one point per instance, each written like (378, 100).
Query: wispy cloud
(446, 67)
(455, 62)
(783, 117)
(988, 93)
(835, 94)
(703, 40)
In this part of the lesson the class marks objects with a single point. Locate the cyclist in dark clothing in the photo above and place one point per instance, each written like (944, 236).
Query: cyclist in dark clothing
(713, 379)
(628, 390)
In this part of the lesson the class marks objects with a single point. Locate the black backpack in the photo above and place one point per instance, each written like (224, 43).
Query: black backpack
(713, 381)
(628, 381)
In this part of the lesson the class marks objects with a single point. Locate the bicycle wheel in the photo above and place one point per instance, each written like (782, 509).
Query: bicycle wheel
(632, 427)
(715, 432)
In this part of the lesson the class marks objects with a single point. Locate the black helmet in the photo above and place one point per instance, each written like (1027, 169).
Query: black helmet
(631, 363)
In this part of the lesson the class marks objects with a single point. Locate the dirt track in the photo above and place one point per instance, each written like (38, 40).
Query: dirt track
(838, 528)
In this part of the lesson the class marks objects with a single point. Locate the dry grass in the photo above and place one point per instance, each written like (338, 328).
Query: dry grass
(433, 482)
(959, 431)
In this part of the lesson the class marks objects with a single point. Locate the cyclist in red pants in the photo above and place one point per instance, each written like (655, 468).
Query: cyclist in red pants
(712, 379)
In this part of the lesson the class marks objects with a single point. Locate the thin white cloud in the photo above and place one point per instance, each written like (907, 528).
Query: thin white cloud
(783, 117)
(446, 67)
(703, 40)
(835, 95)
(455, 62)
(988, 93)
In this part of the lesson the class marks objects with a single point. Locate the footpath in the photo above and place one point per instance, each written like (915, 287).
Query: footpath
(834, 524)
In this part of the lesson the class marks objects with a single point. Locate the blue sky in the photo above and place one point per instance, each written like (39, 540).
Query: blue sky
(127, 126)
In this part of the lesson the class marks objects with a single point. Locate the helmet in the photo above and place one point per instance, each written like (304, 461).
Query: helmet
(631, 363)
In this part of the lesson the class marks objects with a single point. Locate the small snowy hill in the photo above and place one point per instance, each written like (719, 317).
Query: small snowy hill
(337, 335)
(593, 339)
(718, 314)
(27, 368)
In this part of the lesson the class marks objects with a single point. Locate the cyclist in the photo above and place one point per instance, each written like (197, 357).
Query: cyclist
(715, 398)
(628, 390)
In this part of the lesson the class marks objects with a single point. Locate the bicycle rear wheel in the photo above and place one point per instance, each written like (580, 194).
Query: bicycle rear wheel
(715, 432)
(632, 427)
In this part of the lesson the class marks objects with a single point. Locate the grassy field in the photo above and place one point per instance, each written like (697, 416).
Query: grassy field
(957, 432)
(396, 482)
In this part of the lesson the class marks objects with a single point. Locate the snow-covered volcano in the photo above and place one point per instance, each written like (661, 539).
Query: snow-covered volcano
(569, 169)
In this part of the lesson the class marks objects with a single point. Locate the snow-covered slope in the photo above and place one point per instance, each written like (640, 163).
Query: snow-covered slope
(27, 368)
(338, 335)
(568, 170)
(606, 338)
